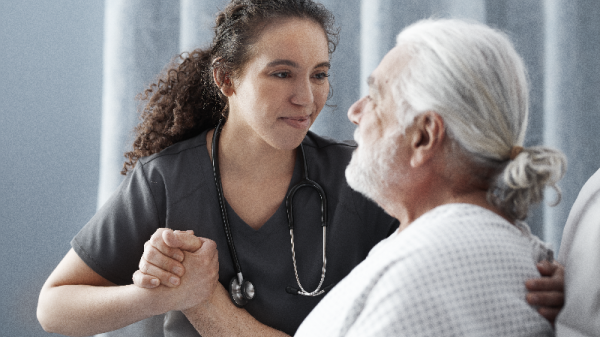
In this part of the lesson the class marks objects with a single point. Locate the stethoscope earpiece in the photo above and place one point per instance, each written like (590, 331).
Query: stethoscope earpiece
(240, 295)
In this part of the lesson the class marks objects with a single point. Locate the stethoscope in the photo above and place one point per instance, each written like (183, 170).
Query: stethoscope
(241, 290)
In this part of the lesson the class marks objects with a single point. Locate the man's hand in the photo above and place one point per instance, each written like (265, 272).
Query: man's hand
(548, 292)
(162, 261)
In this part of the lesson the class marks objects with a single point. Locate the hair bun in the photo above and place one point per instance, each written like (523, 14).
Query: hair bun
(524, 179)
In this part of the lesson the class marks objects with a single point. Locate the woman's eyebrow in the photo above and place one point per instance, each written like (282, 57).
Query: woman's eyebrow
(324, 64)
(280, 62)
(293, 64)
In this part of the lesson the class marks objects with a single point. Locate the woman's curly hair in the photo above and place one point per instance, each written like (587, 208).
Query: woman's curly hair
(185, 100)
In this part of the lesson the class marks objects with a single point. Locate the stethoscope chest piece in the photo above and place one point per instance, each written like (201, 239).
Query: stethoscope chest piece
(240, 295)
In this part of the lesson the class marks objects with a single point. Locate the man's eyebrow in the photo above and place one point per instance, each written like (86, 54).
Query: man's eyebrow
(371, 83)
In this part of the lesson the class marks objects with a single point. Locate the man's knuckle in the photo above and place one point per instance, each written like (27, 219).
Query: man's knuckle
(155, 240)
(143, 266)
(153, 255)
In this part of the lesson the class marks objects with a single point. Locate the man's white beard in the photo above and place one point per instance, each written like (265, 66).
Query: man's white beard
(370, 168)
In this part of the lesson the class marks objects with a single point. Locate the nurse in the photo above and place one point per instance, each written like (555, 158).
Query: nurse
(265, 76)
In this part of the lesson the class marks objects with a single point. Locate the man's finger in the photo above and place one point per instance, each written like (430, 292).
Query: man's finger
(150, 270)
(145, 281)
(189, 231)
(182, 240)
(544, 284)
(546, 268)
(157, 241)
(546, 299)
(157, 258)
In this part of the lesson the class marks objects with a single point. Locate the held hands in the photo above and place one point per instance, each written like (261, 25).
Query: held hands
(171, 254)
(548, 291)
(186, 264)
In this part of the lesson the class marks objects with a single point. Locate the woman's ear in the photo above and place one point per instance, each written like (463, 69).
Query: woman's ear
(427, 137)
(223, 81)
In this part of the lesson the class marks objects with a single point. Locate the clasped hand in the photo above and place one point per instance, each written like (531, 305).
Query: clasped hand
(186, 264)
(171, 257)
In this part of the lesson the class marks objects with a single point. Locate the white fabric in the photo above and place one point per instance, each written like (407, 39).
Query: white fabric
(459, 270)
(580, 254)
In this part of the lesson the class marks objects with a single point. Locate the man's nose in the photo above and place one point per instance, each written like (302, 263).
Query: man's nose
(355, 111)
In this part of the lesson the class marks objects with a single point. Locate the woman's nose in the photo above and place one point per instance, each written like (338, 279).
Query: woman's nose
(355, 111)
(303, 93)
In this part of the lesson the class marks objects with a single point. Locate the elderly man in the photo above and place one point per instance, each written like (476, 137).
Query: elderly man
(440, 148)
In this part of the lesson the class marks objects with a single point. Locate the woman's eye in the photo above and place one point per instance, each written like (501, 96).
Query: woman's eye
(321, 76)
(284, 74)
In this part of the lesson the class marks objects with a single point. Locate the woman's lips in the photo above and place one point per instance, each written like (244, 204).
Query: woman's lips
(297, 122)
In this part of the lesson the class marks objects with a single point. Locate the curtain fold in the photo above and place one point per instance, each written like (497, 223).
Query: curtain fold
(571, 99)
(140, 37)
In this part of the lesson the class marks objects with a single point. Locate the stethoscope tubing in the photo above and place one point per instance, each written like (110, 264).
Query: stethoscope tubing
(219, 186)
(306, 182)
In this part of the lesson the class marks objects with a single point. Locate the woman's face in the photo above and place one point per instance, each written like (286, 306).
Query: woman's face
(284, 86)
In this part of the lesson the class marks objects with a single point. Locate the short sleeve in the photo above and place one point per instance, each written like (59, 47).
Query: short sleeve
(112, 242)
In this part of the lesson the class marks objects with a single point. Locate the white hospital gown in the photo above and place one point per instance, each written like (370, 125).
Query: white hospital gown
(458, 270)
(580, 253)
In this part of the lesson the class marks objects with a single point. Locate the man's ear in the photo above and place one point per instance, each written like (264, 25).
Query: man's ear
(427, 137)
(223, 81)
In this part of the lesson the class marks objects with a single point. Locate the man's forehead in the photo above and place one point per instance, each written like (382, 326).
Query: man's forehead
(390, 67)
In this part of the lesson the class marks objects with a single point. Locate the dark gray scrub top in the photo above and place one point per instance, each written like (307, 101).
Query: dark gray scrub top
(176, 189)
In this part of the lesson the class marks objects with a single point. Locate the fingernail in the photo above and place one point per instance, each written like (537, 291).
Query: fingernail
(178, 271)
(174, 280)
(178, 257)
(154, 282)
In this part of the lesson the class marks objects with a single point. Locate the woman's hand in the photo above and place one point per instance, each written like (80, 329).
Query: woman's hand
(163, 255)
(179, 260)
(548, 291)
(200, 279)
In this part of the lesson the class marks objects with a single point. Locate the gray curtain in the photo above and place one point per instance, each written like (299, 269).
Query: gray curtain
(558, 39)
(140, 38)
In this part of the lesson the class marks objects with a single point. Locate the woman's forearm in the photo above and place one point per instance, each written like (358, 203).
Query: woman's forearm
(83, 310)
(220, 317)
(77, 301)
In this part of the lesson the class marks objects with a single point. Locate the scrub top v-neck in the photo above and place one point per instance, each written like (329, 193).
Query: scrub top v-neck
(175, 188)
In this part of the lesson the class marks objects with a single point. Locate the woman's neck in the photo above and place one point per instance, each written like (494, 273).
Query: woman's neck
(255, 176)
(245, 155)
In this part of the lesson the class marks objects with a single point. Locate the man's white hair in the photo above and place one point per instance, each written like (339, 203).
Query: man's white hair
(471, 75)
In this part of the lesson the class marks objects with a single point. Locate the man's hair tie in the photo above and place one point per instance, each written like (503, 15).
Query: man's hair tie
(515, 151)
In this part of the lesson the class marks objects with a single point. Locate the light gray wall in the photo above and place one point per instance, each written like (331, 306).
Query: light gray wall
(50, 104)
